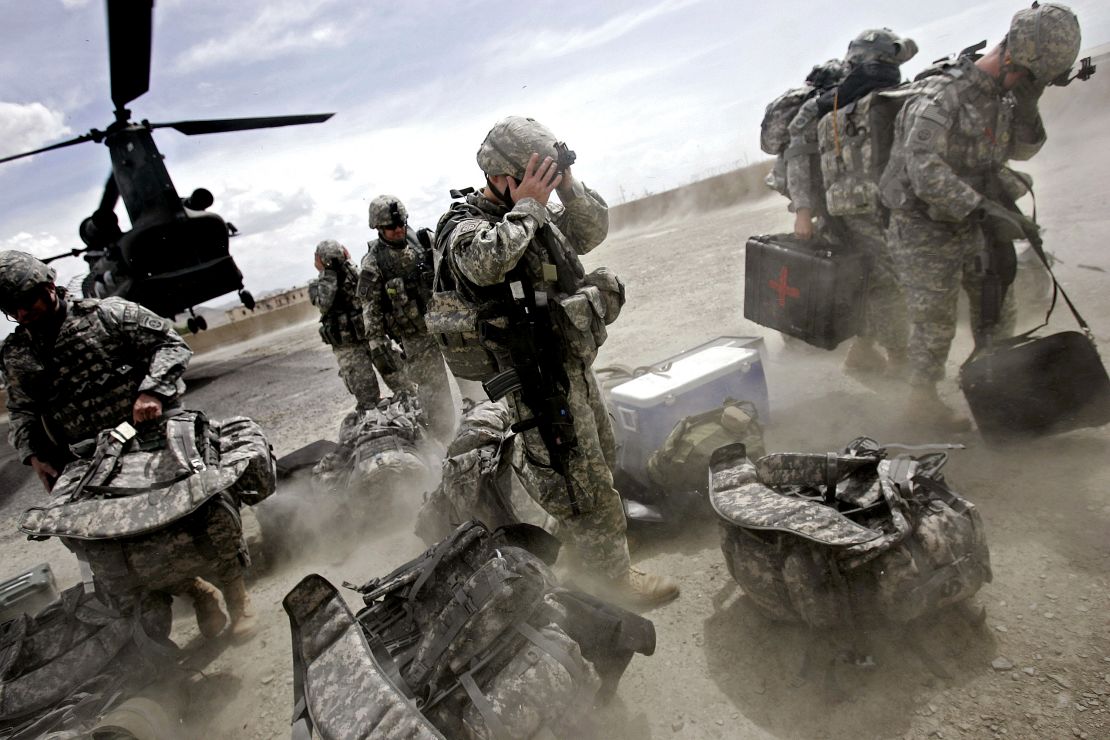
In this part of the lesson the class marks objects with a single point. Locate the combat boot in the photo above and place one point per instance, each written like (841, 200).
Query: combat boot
(897, 364)
(206, 604)
(646, 590)
(244, 623)
(925, 407)
(864, 359)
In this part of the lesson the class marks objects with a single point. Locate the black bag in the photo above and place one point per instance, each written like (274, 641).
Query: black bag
(1029, 386)
(811, 290)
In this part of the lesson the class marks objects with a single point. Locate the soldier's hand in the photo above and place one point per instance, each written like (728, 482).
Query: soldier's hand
(539, 180)
(146, 408)
(45, 471)
(803, 224)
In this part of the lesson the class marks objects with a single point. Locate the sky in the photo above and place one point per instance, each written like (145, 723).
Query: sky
(651, 94)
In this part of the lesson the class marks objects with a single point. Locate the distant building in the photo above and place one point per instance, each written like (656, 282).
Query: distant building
(270, 302)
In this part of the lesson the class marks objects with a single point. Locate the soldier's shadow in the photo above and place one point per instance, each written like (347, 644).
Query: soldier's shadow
(796, 682)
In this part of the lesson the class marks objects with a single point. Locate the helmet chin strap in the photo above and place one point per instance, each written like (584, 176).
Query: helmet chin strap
(505, 197)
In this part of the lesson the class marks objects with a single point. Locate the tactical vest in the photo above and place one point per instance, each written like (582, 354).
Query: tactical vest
(854, 143)
(343, 324)
(466, 319)
(682, 462)
(90, 378)
(846, 540)
(405, 289)
(473, 638)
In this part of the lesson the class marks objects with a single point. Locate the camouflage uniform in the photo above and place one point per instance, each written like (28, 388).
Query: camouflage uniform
(334, 292)
(394, 285)
(85, 377)
(950, 143)
(481, 250)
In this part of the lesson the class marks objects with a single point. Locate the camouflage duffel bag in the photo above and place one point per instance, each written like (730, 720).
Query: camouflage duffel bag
(65, 665)
(474, 638)
(378, 448)
(843, 539)
(136, 503)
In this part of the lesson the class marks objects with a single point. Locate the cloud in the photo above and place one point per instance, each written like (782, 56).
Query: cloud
(278, 30)
(551, 43)
(260, 212)
(341, 173)
(74, 3)
(24, 127)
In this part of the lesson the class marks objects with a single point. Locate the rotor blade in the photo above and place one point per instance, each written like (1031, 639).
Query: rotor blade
(221, 125)
(111, 195)
(59, 145)
(129, 32)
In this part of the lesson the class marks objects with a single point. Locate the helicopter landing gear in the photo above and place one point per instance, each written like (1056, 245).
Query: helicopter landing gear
(247, 299)
(196, 323)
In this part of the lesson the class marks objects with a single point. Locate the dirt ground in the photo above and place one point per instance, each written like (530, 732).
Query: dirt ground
(720, 669)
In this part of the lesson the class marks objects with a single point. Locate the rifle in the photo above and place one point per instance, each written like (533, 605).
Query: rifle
(537, 373)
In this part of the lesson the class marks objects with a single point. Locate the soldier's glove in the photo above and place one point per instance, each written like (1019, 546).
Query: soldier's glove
(1027, 94)
(395, 289)
(1006, 224)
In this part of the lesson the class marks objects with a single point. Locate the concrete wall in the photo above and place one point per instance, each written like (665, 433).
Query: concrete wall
(258, 324)
(720, 191)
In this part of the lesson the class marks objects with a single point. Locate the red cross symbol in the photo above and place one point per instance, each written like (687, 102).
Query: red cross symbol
(782, 288)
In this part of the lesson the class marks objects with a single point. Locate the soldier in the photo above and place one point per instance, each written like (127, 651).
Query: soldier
(77, 367)
(395, 284)
(335, 293)
(506, 242)
(951, 142)
(872, 61)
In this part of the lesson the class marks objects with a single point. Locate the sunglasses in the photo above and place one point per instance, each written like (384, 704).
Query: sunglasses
(11, 305)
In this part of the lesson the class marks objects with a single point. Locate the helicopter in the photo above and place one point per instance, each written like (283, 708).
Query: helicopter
(176, 253)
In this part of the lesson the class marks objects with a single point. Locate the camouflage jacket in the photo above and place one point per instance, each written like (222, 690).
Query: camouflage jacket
(483, 249)
(336, 296)
(394, 285)
(952, 139)
(803, 168)
(86, 377)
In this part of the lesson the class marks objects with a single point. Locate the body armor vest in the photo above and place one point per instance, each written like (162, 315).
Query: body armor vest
(343, 324)
(90, 378)
(406, 284)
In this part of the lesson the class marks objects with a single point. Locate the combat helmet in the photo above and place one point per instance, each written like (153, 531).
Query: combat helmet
(880, 45)
(1044, 39)
(826, 75)
(329, 250)
(387, 211)
(20, 272)
(510, 144)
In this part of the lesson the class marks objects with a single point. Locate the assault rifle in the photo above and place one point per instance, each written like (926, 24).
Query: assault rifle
(537, 373)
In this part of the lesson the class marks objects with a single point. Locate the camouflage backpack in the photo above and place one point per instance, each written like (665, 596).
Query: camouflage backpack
(377, 448)
(68, 664)
(682, 462)
(843, 540)
(474, 638)
(854, 143)
(169, 488)
(774, 131)
(477, 480)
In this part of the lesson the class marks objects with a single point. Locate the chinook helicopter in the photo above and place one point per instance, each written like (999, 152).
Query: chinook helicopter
(176, 254)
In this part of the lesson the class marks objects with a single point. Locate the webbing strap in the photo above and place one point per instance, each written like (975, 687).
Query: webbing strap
(533, 636)
(132, 490)
(482, 704)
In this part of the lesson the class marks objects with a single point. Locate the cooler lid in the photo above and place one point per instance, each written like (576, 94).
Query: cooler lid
(690, 371)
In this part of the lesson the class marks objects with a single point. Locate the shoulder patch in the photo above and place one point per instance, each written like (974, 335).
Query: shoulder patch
(467, 226)
(152, 322)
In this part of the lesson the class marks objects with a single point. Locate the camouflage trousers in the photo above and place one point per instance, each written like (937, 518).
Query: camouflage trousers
(933, 259)
(597, 533)
(425, 369)
(885, 318)
(207, 543)
(357, 370)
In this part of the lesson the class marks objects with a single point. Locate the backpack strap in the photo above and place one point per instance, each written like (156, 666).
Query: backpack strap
(484, 707)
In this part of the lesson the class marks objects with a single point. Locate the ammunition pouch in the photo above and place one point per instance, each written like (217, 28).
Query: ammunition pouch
(580, 318)
(612, 292)
(339, 329)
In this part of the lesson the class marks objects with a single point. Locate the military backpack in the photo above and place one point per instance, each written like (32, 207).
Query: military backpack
(474, 638)
(843, 540)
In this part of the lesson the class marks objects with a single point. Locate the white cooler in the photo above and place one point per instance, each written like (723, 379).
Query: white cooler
(646, 408)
